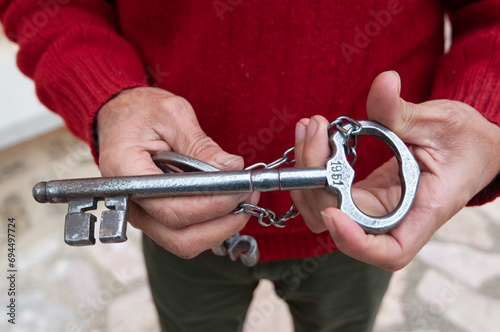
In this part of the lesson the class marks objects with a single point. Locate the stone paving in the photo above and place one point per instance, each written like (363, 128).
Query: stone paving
(452, 285)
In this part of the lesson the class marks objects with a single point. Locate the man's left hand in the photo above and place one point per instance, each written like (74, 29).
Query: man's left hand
(455, 147)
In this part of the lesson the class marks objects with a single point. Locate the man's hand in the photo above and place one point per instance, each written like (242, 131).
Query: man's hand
(457, 151)
(141, 121)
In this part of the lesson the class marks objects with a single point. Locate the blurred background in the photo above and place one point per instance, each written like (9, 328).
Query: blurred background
(452, 285)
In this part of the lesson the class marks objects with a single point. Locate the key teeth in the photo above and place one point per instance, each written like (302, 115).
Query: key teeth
(79, 229)
(78, 225)
(113, 228)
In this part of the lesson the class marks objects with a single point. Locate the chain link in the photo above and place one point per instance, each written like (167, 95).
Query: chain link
(267, 217)
(350, 135)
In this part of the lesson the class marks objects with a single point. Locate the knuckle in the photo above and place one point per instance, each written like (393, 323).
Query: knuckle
(448, 114)
(192, 210)
(396, 264)
(171, 218)
(408, 117)
(309, 160)
(454, 121)
(215, 206)
(174, 108)
(316, 228)
(454, 117)
(106, 162)
(177, 105)
(184, 247)
(199, 143)
(239, 222)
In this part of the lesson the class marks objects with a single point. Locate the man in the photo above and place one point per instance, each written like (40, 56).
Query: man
(202, 78)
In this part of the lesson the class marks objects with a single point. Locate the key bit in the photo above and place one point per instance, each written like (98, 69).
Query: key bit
(79, 226)
(114, 222)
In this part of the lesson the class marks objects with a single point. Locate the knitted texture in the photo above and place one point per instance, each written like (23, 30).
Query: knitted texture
(252, 69)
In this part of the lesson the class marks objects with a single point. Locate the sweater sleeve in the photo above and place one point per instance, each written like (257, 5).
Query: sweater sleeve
(73, 51)
(470, 71)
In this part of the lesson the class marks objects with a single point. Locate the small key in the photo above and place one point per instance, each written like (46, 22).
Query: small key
(243, 246)
(337, 178)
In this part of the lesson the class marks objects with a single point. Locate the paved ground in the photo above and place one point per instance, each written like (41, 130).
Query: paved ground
(452, 285)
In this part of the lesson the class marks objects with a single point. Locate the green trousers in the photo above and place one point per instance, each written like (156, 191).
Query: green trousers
(210, 293)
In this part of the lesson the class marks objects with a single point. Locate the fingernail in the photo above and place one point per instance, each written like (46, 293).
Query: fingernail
(246, 197)
(254, 198)
(251, 198)
(226, 159)
(399, 80)
(312, 127)
(328, 220)
(300, 132)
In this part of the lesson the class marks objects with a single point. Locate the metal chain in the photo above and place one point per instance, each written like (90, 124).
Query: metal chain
(267, 217)
(350, 135)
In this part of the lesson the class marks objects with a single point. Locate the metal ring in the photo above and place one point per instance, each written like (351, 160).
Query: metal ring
(409, 174)
(338, 125)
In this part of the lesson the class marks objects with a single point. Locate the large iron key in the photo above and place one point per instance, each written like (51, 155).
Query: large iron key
(337, 178)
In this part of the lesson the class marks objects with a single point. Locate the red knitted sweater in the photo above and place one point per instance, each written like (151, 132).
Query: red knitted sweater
(251, 69)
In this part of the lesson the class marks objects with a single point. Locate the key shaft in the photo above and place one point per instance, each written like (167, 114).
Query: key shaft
(181, 184)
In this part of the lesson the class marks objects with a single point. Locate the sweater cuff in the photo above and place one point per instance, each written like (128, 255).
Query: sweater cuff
(78, 81)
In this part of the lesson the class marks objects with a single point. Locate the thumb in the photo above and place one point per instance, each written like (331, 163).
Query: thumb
(385, 106)
(187, 137)
(202, 147)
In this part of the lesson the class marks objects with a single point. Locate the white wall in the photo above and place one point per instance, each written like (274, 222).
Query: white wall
(22, 117)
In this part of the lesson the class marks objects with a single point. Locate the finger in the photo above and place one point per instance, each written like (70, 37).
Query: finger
(380, 192)
(316, 150)
(179, 212)
(380, 250)
(391, 251)
(384, 103)
(189, 241)
(176, 212)
(383, 177)
(412, 123)
(168, 122)
(187, 137)
(300, 137)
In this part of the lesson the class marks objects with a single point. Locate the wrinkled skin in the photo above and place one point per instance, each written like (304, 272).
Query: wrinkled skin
(455, 147)
(141, 121)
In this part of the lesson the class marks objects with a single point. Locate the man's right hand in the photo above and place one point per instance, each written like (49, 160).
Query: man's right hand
(138, 122)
